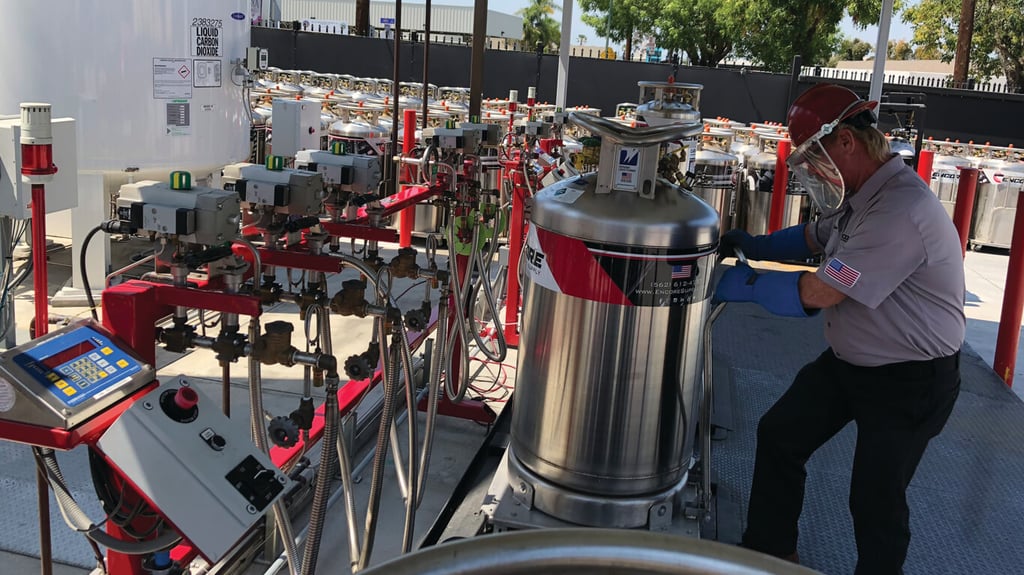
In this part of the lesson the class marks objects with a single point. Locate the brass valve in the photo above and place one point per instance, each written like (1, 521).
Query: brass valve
(275, 347)
(404, 264)
(351, 300)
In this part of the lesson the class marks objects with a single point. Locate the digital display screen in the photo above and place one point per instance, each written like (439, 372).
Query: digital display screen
(60, 358)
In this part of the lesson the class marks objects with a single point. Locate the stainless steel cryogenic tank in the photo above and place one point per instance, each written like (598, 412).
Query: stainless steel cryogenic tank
(995, 205)
(946, 179)
(617, 268)
(715, 172)
(760, 174)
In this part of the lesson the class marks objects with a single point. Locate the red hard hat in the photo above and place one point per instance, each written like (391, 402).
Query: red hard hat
(821, 105)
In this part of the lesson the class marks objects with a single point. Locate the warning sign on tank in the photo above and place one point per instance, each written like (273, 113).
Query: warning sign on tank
(206, 37)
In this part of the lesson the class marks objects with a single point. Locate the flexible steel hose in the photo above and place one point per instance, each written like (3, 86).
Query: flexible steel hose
(483, 283)
(351, 518)
(327, 452)
(413, 410)
(76, 518)
(433, 392)
(391, 361)
(459, 334)
(323, 478)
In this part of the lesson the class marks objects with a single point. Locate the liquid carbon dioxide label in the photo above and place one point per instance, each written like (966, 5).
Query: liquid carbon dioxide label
(207, 36)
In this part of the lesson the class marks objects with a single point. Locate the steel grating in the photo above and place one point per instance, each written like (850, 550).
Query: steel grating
(19, 528)
(966, 507)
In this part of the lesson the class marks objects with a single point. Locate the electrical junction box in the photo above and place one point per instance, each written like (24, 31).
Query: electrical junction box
(288, 191)
(453, 139)
(489, 134)
(198, 468)
(354, 173)
(61, 191)
(256, 59)
(204, 216)
(296, 126)
(68, 376)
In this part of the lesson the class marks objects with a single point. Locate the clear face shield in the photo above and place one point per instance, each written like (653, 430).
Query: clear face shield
(816, 171)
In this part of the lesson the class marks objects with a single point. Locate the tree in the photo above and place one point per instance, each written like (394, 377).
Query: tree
(774, 31)
(853, 49)
(628, 18)
(998, 43)
(899, 50)
(539, 26)
(582, 38)
(927, 53)
(701, 28)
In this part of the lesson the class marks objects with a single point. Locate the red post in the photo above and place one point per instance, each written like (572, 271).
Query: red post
(408, 214)
(925, 161)
(964, 208)
(1013, 302)
(780, 186)
(39, 274)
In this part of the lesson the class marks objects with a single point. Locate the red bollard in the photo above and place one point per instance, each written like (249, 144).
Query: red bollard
(964, 208)
(779, 187)
(1013, 302)
(925, 161)
(408, 143)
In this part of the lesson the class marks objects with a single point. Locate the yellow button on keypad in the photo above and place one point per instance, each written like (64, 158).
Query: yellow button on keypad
(62, 384)
(122, 363)
(102, 374)
(69, 391)
(52, 376)
(107, 351)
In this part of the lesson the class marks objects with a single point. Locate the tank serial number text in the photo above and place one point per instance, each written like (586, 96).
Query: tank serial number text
(208, 22)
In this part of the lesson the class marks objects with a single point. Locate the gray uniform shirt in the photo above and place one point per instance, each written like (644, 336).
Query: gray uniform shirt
(892, 249)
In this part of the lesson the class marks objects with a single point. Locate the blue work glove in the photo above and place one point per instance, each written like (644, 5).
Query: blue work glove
(787, 244)
(777, 292)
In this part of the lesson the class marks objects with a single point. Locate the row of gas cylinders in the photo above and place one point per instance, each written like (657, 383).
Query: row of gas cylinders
(735, 173)
(1000, 180)
(358, 111)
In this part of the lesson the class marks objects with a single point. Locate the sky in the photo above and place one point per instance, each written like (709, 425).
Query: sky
(898, 30)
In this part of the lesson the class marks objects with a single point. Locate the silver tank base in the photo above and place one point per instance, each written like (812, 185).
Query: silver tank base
(653, 511)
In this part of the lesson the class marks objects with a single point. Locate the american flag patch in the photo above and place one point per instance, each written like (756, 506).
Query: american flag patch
(681, 272)
(842, 273)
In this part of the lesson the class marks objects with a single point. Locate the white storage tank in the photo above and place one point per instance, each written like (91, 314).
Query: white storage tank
(152, 84)
(155, 86)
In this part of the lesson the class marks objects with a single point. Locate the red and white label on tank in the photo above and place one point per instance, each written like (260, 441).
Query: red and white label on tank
(572, 267)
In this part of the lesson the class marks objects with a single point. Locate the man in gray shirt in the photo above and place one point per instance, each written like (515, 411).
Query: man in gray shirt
(892, 289)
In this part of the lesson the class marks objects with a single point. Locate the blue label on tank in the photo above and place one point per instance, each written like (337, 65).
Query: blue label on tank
(238, 16)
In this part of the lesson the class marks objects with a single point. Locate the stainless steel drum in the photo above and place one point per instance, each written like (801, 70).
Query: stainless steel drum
(617, 268)
(946, 179)
(715, 171)
(995, 204)
(757, 192)
(585, 552)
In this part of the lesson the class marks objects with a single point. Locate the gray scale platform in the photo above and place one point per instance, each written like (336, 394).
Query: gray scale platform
(967, 512)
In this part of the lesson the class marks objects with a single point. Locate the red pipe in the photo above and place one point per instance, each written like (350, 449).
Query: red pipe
(925, 160)
(964, 208)
(39, 275)
(1013, 302)
(779, 187)
(408, 143)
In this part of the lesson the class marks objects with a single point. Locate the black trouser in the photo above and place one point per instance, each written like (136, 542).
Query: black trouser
(898, 409)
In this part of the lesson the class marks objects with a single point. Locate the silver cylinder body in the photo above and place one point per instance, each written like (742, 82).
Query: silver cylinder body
(995, 206)
(616, 290)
